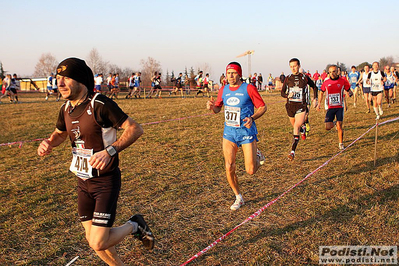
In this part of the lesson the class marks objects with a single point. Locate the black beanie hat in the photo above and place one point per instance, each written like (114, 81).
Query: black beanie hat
(77, 69)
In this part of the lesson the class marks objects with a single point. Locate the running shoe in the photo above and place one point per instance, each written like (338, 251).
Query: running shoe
(237, 204)
(291, 156)
(261, 157)
(307, 128)
(46, 98)
(341, 146)
(303, 131)
(143, 233)
(377, 117)
(368, 111)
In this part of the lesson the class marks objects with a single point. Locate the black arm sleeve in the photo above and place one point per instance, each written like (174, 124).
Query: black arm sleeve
(109, 114)
(60, 125)
(284, 89)
(313, 86)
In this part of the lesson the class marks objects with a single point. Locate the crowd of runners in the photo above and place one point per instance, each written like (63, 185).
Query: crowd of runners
(90, 118)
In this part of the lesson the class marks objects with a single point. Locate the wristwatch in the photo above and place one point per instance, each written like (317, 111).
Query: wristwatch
(111, 150)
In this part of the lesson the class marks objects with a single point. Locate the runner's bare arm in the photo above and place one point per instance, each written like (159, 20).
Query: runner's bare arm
(210, 105)
(313, 86)
(132, 131)
(320, 99)
(55, 139)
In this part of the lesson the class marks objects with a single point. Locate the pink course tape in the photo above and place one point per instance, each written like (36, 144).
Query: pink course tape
(258, 212)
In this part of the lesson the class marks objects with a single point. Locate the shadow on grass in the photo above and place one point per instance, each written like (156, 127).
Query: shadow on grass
(340, 215)
(362, 167)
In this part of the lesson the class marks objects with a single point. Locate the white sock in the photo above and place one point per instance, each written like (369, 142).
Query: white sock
(135, 226)
(376, 110)
(380, 109)
(239, 196)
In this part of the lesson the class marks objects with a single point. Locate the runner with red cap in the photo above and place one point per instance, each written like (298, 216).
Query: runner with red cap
(239, 100)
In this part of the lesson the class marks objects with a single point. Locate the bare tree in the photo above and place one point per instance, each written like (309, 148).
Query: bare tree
(206, 68)
(342, 66)
(96, 63)
(112, 68)
(47, 64)
(2, 72)
(386, 61)
(362, 65)
(148, 68)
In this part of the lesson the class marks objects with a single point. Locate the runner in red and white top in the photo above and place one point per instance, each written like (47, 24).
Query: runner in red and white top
(334, 88)
(324, 75)
(316, 76)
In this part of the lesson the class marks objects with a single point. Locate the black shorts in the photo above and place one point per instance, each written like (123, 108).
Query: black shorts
(97, 199)
(158, 87)
(178, 85)
(366, 89)
(13, 90)
(375, 93)
(293, 109)
(334, 112)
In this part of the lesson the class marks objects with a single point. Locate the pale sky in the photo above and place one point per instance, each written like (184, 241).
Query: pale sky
(182, 34)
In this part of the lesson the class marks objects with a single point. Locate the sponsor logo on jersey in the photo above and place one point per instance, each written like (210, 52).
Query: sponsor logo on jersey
(76, 131)
(233, 101)
(247, 137)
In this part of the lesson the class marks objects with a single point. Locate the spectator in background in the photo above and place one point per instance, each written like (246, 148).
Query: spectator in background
(14, 87)
(260, 82)
(254, 79)
(270, 81)
(282, 77)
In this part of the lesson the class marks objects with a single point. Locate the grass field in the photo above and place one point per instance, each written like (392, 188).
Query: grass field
(174, 175)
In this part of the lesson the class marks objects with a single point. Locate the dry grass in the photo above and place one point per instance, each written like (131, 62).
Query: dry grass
(174, 175)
